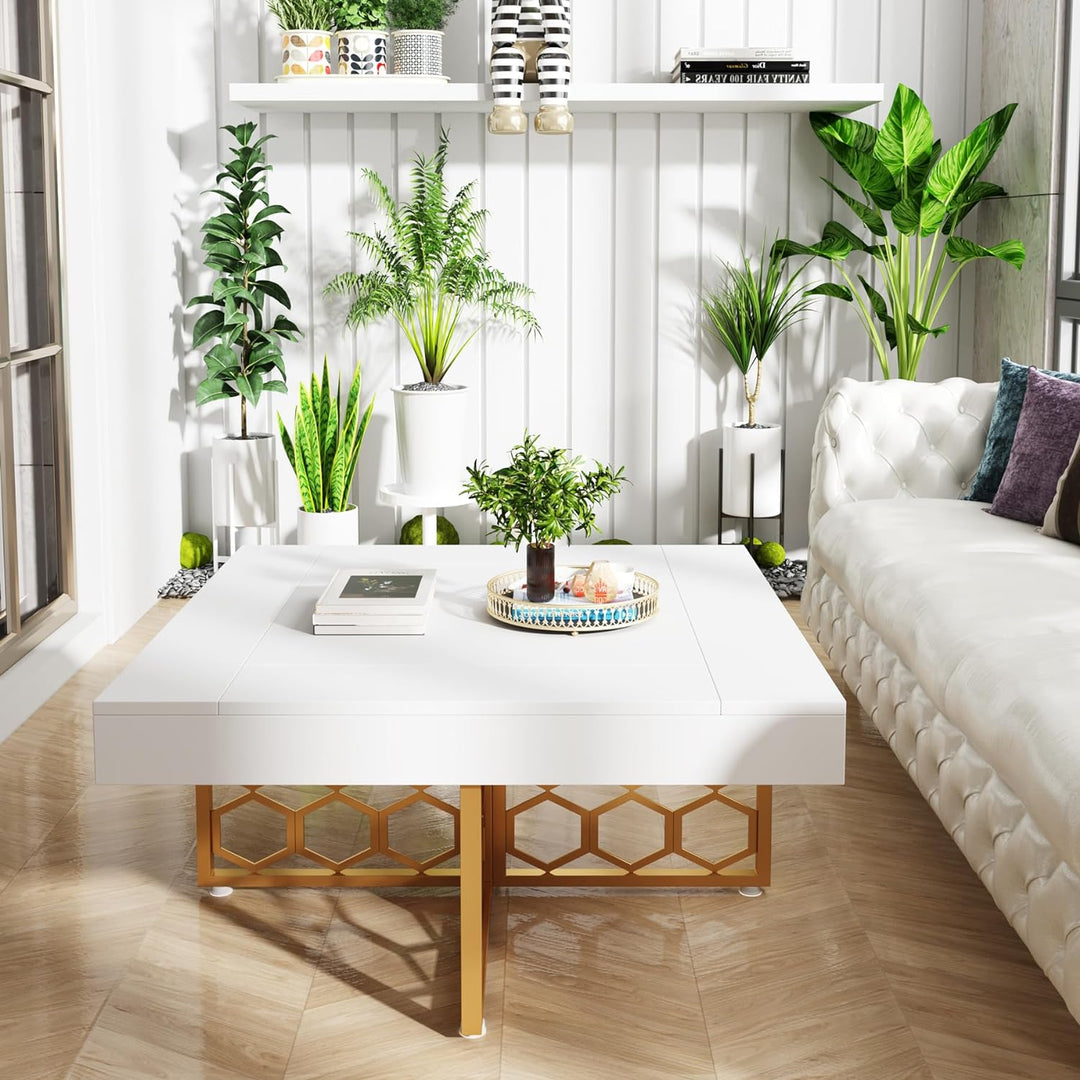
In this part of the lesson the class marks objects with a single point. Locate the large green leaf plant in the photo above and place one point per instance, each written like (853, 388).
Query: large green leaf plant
(914, 199)
(246, 360)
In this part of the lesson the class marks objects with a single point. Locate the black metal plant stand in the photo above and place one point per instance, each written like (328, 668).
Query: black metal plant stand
(751, 519)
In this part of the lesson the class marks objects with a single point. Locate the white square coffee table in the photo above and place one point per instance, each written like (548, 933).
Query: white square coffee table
(719, 688)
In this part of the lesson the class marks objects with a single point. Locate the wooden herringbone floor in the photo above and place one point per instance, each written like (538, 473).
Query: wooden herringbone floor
(877, 955)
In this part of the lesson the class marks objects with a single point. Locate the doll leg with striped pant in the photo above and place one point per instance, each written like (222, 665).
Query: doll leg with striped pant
(507, 69)
(553, 70)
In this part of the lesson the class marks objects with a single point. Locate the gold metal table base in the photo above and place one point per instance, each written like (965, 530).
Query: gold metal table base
(484, 841)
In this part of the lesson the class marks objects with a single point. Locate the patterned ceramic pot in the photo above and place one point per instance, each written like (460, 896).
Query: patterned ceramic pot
(305, 52)
(363, 52)
(418, 52)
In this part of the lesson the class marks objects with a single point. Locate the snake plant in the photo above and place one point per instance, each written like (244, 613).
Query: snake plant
(322, 453)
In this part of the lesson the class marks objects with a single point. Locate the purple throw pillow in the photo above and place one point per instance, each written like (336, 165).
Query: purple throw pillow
(1046, 434)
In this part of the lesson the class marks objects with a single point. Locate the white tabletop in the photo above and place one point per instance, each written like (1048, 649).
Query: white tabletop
(719, 687)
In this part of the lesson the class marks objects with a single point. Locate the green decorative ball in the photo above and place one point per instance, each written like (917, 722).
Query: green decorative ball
(412, 532)
(770, 554)
(195, 550)
(599, 542)
(751, 540)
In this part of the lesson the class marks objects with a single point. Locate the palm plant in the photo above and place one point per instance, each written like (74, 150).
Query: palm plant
(749, 309)
(901, 170)
(303, 14)
(323, 454)
(431, 268)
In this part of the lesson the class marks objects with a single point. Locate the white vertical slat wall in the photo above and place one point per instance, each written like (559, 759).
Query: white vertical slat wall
(616, 229)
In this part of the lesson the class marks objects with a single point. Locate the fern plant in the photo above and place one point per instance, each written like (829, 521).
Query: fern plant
(430, 268)
(239, 245)
(303, 14)
(322, 452)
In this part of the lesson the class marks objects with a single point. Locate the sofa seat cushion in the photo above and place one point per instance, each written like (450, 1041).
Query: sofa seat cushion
(985, 613)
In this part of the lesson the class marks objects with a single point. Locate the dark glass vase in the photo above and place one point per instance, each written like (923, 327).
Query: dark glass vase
(540, 573)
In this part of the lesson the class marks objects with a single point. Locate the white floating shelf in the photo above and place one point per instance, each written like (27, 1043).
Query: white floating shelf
(374, 94)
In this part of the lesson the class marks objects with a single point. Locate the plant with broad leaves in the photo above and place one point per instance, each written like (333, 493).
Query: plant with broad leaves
(542, 495)
(360, 14)
(902, 172)
(239, 245)
(420, 14)
(749, 309)
(303, 14)
(431, 268)
(323, 452)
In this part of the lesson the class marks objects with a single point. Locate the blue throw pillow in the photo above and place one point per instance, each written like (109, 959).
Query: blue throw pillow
(1003, 421)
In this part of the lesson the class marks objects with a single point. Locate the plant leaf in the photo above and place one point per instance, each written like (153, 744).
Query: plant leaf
(830, 288)
(905, 141)
(964, 163)
(881, 311)
(868, 215)
(962, 251)
(207, 326)
(919, 328)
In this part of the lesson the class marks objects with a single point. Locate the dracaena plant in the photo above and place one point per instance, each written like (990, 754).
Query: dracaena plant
(303, 14)
(246, 360)
(430, 268)
(749, 309)
(914, 199)
(325, 445)
(359, 14)
(542, 495)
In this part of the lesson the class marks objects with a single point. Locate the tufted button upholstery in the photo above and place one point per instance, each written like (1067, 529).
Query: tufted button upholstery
(898, 438)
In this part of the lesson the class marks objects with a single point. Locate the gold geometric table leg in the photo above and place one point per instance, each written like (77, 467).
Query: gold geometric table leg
(473, 914)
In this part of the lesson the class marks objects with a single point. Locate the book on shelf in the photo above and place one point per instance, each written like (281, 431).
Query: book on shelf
(754, 52)
(717, 66)
(378, 593)
(736, 78)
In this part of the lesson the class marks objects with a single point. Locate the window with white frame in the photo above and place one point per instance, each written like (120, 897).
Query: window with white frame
(1068, 287)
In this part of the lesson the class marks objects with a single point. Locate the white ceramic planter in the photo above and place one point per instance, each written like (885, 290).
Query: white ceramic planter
(431, 441)
(418, 52)
(306, 52)
(765, 443)
(363, 52)
(244, 478)
(328, 529)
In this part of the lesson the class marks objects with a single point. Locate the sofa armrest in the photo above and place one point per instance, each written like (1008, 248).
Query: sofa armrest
(884, 440)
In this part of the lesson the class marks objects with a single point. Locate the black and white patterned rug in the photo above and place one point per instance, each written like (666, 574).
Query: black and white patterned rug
(185, 583)
(787, 579)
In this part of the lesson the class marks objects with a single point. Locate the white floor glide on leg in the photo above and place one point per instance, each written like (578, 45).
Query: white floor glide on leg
(220, 890)
(751, 890)
(483, 1032)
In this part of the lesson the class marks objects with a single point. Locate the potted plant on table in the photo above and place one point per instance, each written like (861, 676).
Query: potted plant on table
(542, 496)
(306, 29)
(246, 360)
(362, 36)
(902, 172)
(747, 311)
(323, 451)
(430, 270)
(417, 33)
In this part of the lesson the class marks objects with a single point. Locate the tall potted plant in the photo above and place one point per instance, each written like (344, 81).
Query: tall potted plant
(747, 311)
(361, 36)
(417, 33)
(306, 29)
(430, 271)
(323, 451)
(542, 496)
(246, 361)
(902, 172)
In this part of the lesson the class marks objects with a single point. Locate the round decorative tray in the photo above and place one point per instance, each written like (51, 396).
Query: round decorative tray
(570, 618)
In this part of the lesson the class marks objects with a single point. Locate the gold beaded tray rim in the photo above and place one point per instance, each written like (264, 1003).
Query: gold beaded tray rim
(643, 606)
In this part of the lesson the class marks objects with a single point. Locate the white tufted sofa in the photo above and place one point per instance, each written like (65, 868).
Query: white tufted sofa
(960, 634)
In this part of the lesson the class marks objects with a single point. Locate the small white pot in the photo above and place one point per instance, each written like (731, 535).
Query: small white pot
(431, 441)
(244, 479)
(418, 52)
(765, 443)
(306, 52)
(363, 52)
(322, 530)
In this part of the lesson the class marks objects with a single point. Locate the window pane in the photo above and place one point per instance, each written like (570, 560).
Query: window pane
(36, 485)
(20, 48)
(21, 129)
(1068, 358)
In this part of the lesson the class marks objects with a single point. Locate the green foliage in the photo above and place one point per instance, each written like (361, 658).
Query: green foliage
(420, 14)
(412, 532)
(323, 453)
(542, 495)
(360, 15)
(303, 14)
(239, 245)
(902, 172)
(749, 309)
(430, 268)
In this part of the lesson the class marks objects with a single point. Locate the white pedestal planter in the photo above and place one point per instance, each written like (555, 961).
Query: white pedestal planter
(363, 52)
(306, 52)
(765, 443)
(340, 529)
(431, 440)
(244, 489)
(418, 52)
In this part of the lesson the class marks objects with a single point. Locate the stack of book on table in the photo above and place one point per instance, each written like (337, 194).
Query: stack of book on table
(375, 602)
(763, 66)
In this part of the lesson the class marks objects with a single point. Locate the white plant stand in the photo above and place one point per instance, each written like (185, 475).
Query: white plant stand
(235, 523)
(395, 495)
